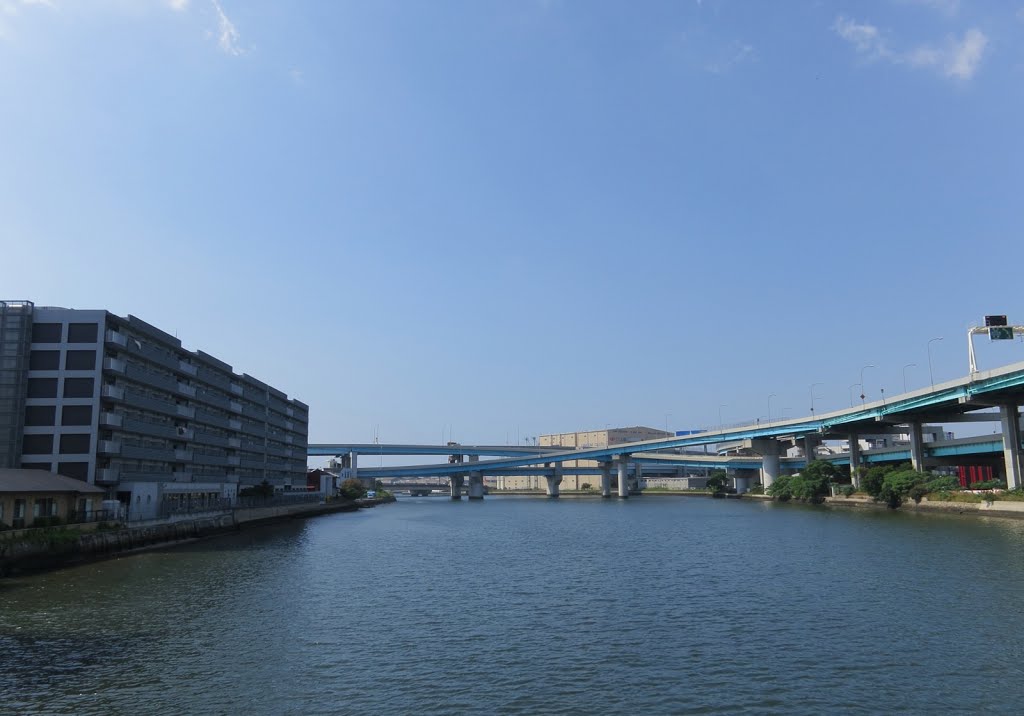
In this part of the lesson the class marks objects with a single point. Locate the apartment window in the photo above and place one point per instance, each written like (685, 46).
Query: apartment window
(82, 332)
(40, 415)
(37, 445)
(78, 387)
(42, 387)
(19, 509)
(74, 444)
(44, 507)
(80, 360)
(76, 415)
(46, 332)
(76, 470)
(44, 360)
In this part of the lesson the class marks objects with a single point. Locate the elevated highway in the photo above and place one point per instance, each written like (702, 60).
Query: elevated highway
(990, 396)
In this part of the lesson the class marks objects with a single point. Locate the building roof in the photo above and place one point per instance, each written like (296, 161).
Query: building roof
(41, 481)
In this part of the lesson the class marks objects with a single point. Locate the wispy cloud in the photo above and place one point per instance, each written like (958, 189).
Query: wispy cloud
(178, 5)
(737, 53)
(958, 59)
(228, 37)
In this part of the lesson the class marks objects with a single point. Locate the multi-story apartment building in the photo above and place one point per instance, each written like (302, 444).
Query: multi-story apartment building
(118, 403)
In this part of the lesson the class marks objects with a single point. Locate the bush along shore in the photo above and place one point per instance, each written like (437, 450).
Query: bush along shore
(894, 486)
(55, 546)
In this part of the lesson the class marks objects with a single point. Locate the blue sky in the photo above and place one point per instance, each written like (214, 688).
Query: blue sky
(489, 219)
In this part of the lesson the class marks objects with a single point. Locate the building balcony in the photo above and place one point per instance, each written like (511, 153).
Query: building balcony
(214, 378)
(289, 439)
(289, 412)
(107, 475)
(236, 389)
(203, 459)
(205, 438)
(186, 412)
(215, 399)
(108, 447)
(187, 368)
(157, 380)
(140, 452)
(114, 365)
(186, 390)
(234, 442)
(110, 420)
(112, 392)
(234, 460)
(235, 424)
(235, 407)
(182, 475)
(204, 416)
(117, 339)
(183, 455)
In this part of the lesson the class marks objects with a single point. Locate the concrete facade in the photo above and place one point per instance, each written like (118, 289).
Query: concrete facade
(118, 403)
(584, 439)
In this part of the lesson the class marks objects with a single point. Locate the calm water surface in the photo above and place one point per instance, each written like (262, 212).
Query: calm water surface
(527, 606)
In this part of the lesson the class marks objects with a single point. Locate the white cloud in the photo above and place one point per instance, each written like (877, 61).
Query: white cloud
(960, 59)
(178, 5)
(965, 56)
(228, 37)
(738, 52)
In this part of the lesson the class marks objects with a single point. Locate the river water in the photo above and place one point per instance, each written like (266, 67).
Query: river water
(521, 605)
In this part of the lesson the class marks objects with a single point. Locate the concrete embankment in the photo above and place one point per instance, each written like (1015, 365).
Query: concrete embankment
(995, 508)
(41, 550)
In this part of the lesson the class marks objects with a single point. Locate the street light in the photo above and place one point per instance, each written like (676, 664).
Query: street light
(908, 365)
(855, 385)
(869, 365)
(770, 408)
(667, 416)
(812, 397)
(931, 375)
(721, 425)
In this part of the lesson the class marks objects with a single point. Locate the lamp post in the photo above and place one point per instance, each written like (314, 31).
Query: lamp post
(667, 416)
(851, 391)
(812, 397)
(908, 365)
(862, 391)
(770, 408)
(931, 375)
(721, 425)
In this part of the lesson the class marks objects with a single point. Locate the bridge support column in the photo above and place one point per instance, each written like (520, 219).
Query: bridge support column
(476, 486)
(768, 449)
(811, 443)
(554, 480)
(353, 459)
(638, 475)
(1010, 418)
(606, 479)
(916, 447)
(855, 460)
(456, 485)
(623, 476)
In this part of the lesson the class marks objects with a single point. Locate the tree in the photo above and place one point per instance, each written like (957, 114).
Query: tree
(717, 481)
(871, 479)
(781, 488)
(812, 483)
(264, 489)
(353, 489)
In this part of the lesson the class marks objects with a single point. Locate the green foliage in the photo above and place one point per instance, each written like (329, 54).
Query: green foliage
(871, 478)
(903, 483)
(989, 485)
(847, 490)
(717, 481)
(782, 488)
(352, 489)
(586, 486)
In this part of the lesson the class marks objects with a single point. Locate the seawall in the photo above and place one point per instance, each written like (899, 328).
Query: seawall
(42, 550)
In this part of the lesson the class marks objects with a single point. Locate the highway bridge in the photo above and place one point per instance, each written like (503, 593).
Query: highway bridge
(981, 396)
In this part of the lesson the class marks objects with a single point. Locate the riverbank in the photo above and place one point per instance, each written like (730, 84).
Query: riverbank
(47, 549)
(993, 508)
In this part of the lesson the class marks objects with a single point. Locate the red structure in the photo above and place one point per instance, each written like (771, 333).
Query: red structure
(970, 474)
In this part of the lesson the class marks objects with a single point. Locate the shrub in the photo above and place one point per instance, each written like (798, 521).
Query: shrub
(782, 488)
(871, 478)
(899, 484)
(989, 485)
(847, 490)
(353, 489)
(717, 481)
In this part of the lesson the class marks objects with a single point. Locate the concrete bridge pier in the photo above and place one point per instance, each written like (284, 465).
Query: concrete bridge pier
(476, 486)
(855, 459)
(606, 479)
(768, 449)
(623, 476)
(811, 443)
(456, 485)
(1009, 416)
(916, 447)
(554, 480)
